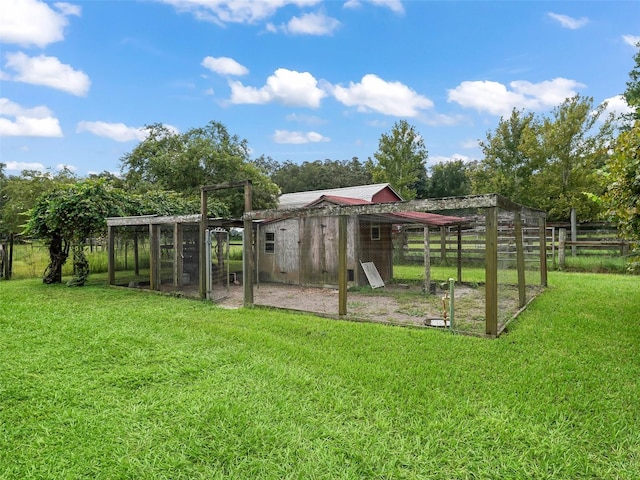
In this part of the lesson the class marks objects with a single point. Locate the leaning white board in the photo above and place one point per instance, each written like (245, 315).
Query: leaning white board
(372, 274)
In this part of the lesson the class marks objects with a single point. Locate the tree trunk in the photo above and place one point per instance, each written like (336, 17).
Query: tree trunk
(58, 253)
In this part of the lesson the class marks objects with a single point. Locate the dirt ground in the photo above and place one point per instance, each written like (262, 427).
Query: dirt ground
(404, 305)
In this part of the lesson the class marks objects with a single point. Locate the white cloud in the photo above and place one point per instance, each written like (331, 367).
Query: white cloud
(224, 66)
(233, 11)
(117, 131)
(496, 99)
(27, 122)
(375, 94)
(20, 166)
(47, 71)
(393, 5)
(287, 87)
(34, 23)
(616, 105)
(569, 22)
(285, 136)
(469, 143)
(312, 24)
(632, 40)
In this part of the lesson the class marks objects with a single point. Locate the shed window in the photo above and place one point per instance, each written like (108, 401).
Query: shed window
(269, 242)
(375, 232)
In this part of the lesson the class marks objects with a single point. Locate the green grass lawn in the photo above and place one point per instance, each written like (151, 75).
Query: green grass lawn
(113, 383)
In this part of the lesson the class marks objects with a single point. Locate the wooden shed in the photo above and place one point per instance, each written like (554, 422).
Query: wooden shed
(304, 249)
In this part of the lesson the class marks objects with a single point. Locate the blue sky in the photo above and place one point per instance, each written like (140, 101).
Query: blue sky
(298, 79)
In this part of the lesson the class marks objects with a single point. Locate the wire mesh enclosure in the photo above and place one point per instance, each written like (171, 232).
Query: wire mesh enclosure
(493, 249)
(163, 253)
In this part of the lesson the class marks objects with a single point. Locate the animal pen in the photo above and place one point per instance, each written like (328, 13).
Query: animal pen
(336, 246)
(163, 253)
(325, 259)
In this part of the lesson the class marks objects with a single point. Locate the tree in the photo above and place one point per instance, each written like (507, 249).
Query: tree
(622, 197)
(65, 217)
(632, 93)
(448, 179)
(400, 159)
(573, 147)
(319, 175)
(19, 193)
(549, 163)
(167, 160)
(507, 164)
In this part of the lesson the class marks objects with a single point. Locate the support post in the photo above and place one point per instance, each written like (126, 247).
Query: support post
(154, 257)
(247, 257)
(111, 256)
(491, 271)
(342, 265)
(136, 256)
(542, 229)
(574, 232)
(202, 262)
(443, 244)
(427, 261)
(11, 243)
(459, 254)
(178, 255)
(522, 287)
(562, 238)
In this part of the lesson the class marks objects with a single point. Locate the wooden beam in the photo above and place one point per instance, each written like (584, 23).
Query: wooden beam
(342, 265)
(178, 256)
(443, 244)
(111, 256)
(542, 230)
(522, 287)
(248, 252)
(427, 261)
(202, 259)
(459, 254)
(491, 271)
(154, 257)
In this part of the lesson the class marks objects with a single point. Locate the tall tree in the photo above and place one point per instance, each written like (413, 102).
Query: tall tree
(448, 179)
(400, 159)
(19, 193)
(632, 93)
(319, 175)
(574, 145)
(622, 197)
(507, 164)
(184, 162)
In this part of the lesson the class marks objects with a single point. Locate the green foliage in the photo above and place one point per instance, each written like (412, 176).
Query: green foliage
(400, 159)
(622, 197)
(508, 158)
(19, 193)
(632, 93)
(317, 175)
(448, 179)
(183, 162)
(550, 163)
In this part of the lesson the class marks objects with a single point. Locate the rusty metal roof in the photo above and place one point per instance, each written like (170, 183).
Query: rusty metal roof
(301, 199)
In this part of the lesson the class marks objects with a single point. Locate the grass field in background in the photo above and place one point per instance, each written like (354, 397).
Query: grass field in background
(99, 382)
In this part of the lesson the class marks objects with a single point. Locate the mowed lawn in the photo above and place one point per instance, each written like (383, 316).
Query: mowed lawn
(109, 383)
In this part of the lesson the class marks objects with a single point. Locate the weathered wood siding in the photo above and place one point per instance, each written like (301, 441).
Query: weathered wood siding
(283, 264)
(306, 251)
(380, 252)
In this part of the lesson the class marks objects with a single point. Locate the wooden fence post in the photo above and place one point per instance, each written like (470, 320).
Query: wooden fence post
(427, 261)
(491, 271)
(574, 232)
(522, 287)
(562, 238)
